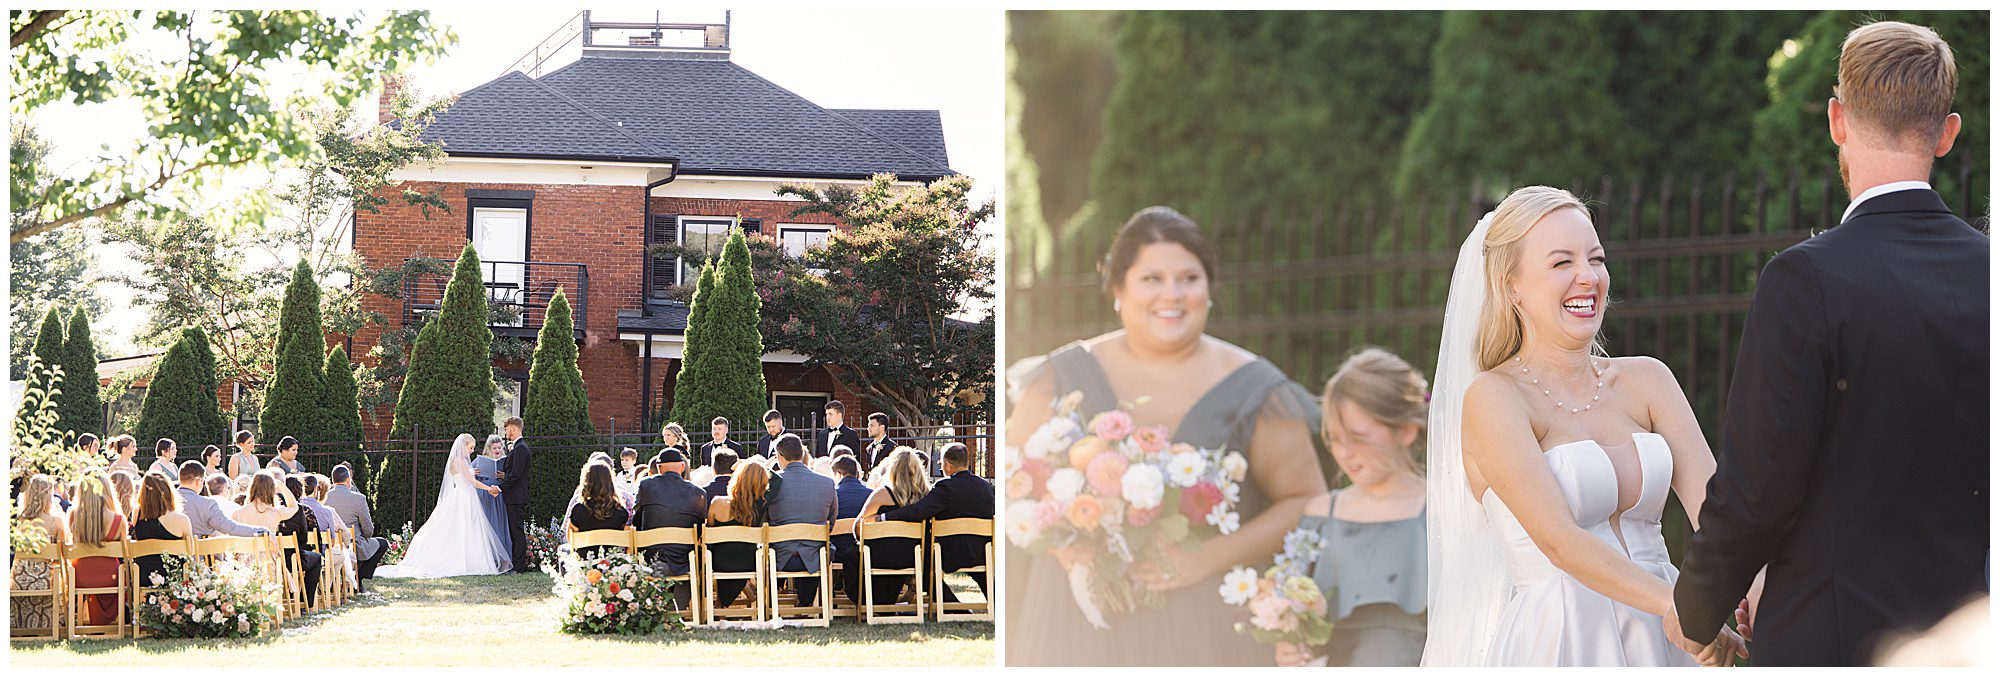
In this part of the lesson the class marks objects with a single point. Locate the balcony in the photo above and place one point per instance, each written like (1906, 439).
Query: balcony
(518, 290)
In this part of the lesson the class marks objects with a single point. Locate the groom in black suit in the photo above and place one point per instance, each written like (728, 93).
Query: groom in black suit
(1854, 450)
(514, 491)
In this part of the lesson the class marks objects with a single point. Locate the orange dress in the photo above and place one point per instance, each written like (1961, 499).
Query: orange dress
(101, 572)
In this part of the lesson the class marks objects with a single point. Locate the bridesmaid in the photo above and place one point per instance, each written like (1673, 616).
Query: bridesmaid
(1372, 564)
(211, 460)
(244, 461)
(486, 467)
(123, 448)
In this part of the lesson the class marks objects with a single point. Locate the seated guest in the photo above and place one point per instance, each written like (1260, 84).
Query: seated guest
(823, 466)
(666, 500)
(96, 521)
(315, 487)
(218, 487)
(352, 509)
(878, 447)
(600, 508)
(38, 507)
(629, 469)
(904, 482)
(123, 448)
(288, 456)
(294, 530)
(125, 489)
(959, 494)
(718, 433)
(163, 461)
(268, 503)
(800, 497)
(724, 463)
(746, 505)
(700, 477)
(851, 494)
(159, 519)
(205, 515)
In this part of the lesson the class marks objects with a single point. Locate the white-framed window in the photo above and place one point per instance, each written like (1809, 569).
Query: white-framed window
(702, 234)
(509, 404)
(246, 417)
(799, 237)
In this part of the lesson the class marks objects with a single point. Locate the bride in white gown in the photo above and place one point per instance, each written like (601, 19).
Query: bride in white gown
(1550, 462)
(456, 540)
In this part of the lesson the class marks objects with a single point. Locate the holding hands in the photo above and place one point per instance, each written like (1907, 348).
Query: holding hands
(1722, 652)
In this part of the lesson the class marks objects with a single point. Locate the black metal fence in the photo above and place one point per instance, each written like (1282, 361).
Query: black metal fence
(1307, 287)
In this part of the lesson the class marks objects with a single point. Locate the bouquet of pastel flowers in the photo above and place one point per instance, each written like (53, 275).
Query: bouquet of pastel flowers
(545, 542)
(225, 599)
(1102, 493)
(399, 543)
(1285, 605)
(616, 593)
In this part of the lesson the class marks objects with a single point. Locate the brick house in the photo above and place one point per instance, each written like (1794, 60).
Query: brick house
(565, 179)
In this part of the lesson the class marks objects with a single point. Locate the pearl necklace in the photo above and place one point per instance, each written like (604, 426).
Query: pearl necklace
(1595, 395)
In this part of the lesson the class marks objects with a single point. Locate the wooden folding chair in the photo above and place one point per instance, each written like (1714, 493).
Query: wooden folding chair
(800, 532)
(295, 577)
(677, 536)
(964, 526)
(712, 536)
(871, 535)
(51, 555)
(117, 629)
(616, 538)
(842, 609)
(332, 568)
(181, 547)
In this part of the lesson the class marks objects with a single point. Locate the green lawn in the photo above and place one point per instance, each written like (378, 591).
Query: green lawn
(511, 621)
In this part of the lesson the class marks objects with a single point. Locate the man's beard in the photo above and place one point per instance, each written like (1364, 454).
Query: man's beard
(1845, 184)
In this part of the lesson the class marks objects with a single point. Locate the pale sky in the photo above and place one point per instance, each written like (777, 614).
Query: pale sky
(945, 60)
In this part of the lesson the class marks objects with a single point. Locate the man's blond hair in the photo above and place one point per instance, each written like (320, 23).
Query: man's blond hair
(1897, 80)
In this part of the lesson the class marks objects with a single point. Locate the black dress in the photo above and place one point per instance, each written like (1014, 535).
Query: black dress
(582, 519)
(886, 553)
(735, 558)
(151, 530)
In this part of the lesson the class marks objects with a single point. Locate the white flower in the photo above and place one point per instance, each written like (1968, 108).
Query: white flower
(1143, 487)
(1232, 493)
(1186, 468)
(158, 580)
(1235, 467)
(1065, 483)
(197, 614)
(1223, 520)
(625, 594)
(243, 624)
(1238, 585)
(1020, 527)
(1055, 436)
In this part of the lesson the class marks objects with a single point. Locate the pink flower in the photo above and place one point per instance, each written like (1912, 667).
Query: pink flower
(1106, 474)
(1048, 512)
(610, 608)
(1112, 425)
(1020, 485)
(1085, 449)
(1036, 477)
(1151, 439)
(1197, 500)
(1141, 518)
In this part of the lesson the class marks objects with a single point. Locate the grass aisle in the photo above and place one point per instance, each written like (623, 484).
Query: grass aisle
(510, 621)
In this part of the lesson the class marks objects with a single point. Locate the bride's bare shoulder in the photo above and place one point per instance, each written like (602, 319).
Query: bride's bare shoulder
(1492, 387)
(1643, 376)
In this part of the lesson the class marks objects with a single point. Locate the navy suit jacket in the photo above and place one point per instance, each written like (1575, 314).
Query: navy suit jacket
(803, 497)
(961, 495)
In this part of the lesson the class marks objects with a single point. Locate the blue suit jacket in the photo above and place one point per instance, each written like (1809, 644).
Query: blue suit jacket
(803, 497)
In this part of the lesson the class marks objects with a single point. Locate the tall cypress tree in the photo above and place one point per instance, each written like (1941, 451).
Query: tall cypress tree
(449, 386)
(341, 399)
(80, 407)
(49, 351)
(178, 403)
(728, 380)
(694, 342)
(557, 404)
(292, 400)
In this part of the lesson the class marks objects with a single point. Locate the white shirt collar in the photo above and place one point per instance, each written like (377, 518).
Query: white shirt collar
(1884, 189)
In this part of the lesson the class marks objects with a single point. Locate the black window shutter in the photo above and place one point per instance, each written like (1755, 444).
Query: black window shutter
(753, 226)
(665, 231)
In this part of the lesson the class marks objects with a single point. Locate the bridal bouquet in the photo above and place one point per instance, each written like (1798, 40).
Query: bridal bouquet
(200, 600)
(1101, 494)
(1285, 605)
(614, 594)
(399, 543)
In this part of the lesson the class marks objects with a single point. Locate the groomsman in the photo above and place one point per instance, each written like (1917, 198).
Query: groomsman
(718, 430)
(879, 445)
(774, 427)
(164, 464)
(837, 433)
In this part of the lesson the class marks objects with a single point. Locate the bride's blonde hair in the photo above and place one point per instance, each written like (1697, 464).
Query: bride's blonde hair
(1501, 327)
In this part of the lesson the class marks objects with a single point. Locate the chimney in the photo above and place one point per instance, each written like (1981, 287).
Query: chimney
(392, 87)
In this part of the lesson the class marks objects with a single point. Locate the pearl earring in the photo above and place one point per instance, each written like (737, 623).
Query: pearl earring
(1117, 307)
(1211, 303)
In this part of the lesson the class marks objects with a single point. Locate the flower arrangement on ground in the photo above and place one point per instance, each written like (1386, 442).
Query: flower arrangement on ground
(545, 543)
(226, 599)
(614, 594)
(1285, 605)
(399, 543)
(1103, 493)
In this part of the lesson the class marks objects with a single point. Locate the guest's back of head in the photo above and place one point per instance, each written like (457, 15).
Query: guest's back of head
(789, 448)
(747, 490)
(157, 497)
(93, 508)
(906, 478)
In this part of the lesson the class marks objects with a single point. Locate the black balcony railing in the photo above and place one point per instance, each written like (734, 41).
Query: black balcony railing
(520, 289)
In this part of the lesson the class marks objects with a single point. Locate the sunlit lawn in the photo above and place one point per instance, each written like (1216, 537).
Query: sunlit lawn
(511, 621)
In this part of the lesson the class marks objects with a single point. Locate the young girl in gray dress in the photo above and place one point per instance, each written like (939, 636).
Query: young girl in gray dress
(1372, 568)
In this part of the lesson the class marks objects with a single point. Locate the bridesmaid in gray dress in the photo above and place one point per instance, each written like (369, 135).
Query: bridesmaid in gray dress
(485, 467)
(1372, 564)
(1211, 394)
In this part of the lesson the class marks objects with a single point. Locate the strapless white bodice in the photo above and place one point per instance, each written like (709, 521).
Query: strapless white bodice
(1551, 619)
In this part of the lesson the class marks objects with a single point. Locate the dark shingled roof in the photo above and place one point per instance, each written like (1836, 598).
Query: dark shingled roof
(714, 116)
(670, 317)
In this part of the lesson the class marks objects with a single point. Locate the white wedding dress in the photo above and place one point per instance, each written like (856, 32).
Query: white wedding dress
(1553, 620)
(456, 540)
